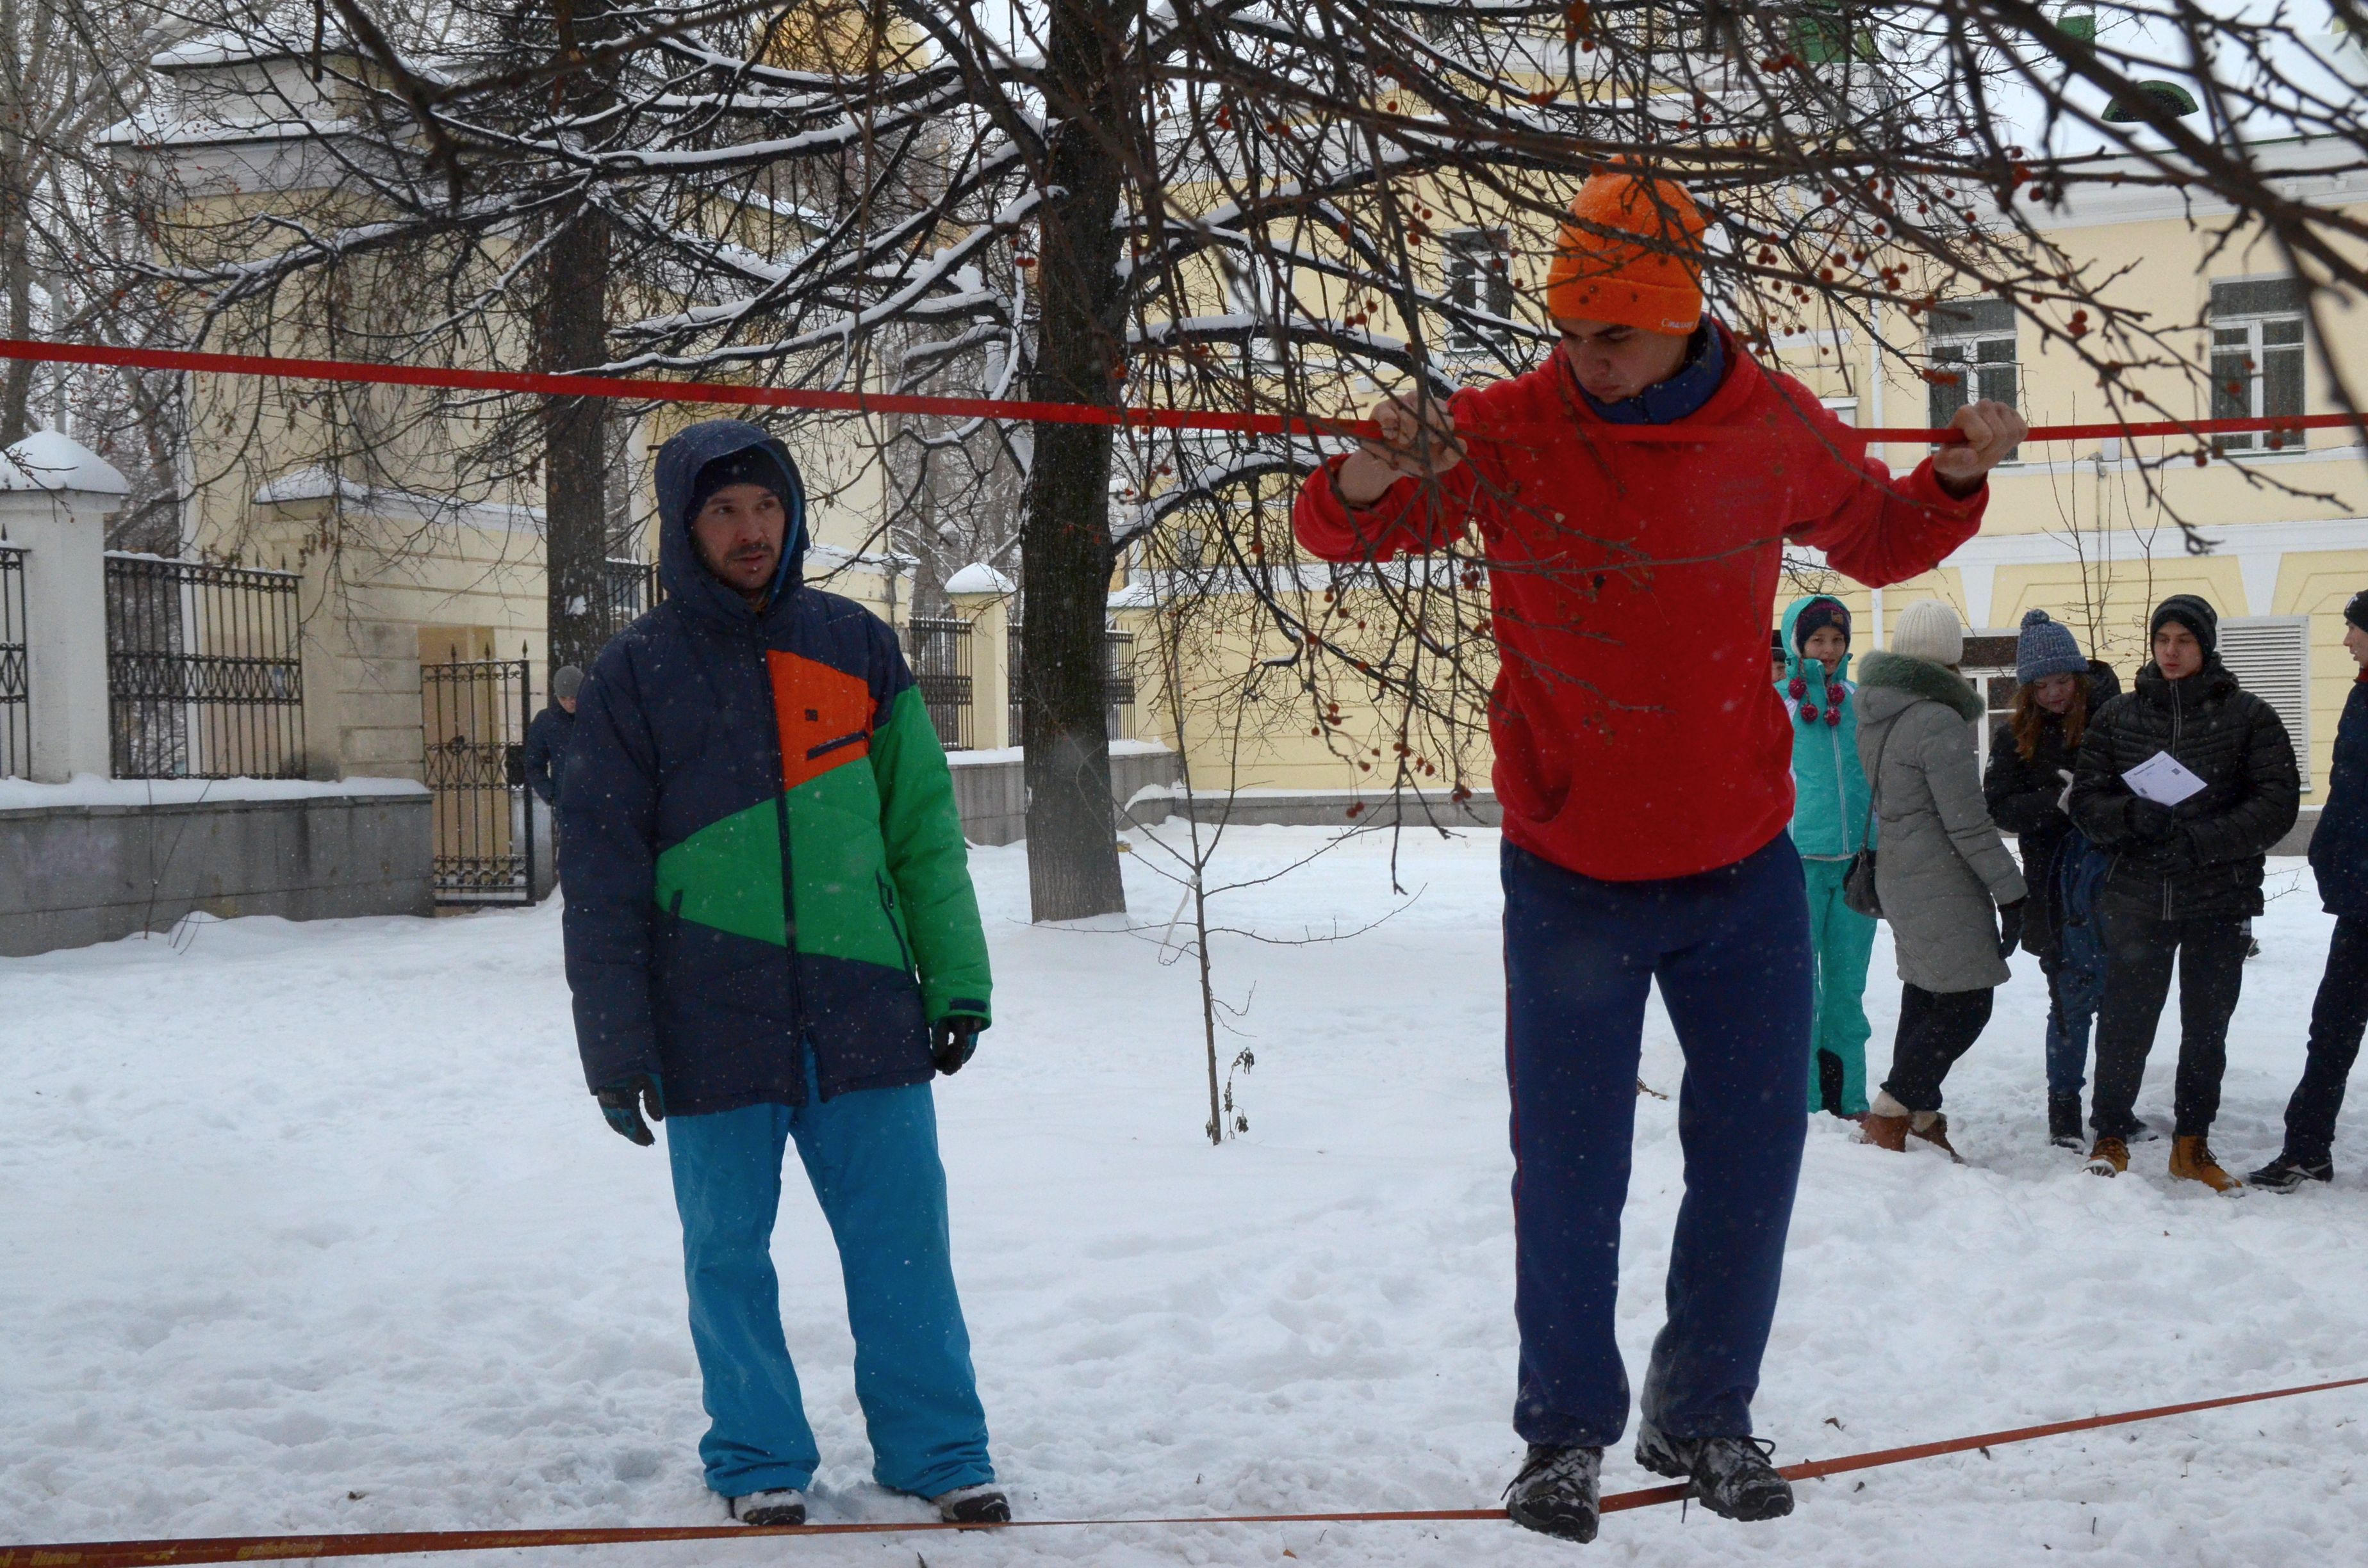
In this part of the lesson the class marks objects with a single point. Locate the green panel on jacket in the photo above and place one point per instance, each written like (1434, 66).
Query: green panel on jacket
(928, 861)
(839, 867)
(729, 875)
(880, 871)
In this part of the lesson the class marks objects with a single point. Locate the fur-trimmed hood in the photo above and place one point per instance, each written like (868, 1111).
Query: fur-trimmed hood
(1889, 682)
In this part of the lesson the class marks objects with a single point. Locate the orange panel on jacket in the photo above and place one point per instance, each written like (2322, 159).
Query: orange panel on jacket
(825, 714)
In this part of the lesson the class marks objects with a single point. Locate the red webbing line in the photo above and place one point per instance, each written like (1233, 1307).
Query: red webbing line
(545, 384)
(267, 1547)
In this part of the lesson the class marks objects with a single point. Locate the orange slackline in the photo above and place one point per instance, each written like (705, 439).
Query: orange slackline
(542, 384)
(268, 1548)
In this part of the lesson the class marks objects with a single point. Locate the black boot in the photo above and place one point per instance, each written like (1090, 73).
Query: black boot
(1730, 1476)
(1558, 1492)
(2285, 1173)
(2064, 1121)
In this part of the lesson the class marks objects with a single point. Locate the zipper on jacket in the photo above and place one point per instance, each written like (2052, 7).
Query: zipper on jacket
(888, 908)
(790, 933)
(1841, 790)
(2176, 710)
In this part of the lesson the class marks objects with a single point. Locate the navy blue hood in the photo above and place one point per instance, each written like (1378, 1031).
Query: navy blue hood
(691, 582)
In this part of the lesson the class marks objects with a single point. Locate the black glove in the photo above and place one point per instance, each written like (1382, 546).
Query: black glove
(2151, 822)
(952, 1040)
(622, 1103)
(2010, 927)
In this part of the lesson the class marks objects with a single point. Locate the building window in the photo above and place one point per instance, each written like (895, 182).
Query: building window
(1479, 277)
(1971, 351)
(1252, 291)
(2257, 348)
(2269, 656)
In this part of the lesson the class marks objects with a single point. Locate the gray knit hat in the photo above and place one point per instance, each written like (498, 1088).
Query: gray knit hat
(2045, 648)
(565, 682)
(1930, 630)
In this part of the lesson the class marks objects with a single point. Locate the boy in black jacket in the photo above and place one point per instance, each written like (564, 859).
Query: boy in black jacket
(2185, 878)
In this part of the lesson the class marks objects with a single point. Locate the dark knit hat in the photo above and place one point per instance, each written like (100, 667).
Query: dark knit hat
(565, 682)
(754, 465)
(2044, 647)
(2356, 612)
(1819, 613)
(2194, 614)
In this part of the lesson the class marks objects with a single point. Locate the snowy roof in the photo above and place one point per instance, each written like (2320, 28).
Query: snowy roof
(49, 461)
(979, 578)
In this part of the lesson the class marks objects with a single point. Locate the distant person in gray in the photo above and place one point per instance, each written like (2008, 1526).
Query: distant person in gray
(547, 739)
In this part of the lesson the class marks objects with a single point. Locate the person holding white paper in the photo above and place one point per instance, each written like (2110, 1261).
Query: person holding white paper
(2186, 865)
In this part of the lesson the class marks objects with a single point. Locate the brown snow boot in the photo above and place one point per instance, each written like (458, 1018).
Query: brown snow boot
(2191, 1160)
(2109, 1157)
(1936, 1132)
(1884, 1131)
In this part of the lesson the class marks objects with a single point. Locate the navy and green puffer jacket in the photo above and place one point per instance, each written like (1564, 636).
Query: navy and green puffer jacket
(761, 852)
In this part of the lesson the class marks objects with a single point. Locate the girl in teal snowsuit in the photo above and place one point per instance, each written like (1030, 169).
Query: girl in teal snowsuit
(1830, 825)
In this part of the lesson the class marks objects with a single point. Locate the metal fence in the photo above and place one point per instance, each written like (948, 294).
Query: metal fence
(16, 698)
(940, 653)
(1118, 683)
(474, 713)
(629, 590)
(204, 679)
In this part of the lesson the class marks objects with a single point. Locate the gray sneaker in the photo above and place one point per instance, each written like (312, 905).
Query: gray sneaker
(785, 1505)
(1558, 1492)
(1730, 1476)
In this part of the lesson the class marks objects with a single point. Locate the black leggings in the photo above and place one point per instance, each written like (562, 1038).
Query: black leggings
(1935, 1028)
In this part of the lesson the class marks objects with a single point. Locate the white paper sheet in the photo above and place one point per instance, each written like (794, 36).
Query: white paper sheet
(2162, 778)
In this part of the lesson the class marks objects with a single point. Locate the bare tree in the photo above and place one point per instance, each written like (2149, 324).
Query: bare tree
(1233, 205)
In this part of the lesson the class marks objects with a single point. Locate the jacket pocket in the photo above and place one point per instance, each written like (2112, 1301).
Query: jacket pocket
(895, 921)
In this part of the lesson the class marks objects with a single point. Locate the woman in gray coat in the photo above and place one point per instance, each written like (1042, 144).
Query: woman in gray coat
(1950, 890)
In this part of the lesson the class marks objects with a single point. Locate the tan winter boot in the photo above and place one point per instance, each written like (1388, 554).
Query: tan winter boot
(2109, 1157)
(2191, 1160)
(1884, 1131)
(1936, 1132)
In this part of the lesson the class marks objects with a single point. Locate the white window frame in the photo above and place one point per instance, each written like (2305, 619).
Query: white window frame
(2254, 325)
(2269, 656)
(1472, 282)
(1251, 290)
(2000, 380)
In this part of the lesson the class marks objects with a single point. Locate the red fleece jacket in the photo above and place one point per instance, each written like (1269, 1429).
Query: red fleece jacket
(1633, 585)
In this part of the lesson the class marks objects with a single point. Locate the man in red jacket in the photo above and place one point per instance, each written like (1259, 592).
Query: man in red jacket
(1644, 769)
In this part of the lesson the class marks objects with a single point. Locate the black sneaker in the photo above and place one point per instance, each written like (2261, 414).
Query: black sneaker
(2064, 1121)
(973, 1506)
(1558, 1492)
(2285, 1173)
(783, 1506)
(1730, 1476)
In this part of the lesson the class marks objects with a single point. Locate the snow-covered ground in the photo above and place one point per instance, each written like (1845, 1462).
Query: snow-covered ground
(312, 1227)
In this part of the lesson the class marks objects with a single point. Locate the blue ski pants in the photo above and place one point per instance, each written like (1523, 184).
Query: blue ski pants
(1730, 951)
(872, 1157)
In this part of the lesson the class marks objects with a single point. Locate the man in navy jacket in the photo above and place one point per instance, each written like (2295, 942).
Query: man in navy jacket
(2339, 856)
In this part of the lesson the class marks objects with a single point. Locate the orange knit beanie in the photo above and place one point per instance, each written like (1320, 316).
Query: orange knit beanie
(1596, 277)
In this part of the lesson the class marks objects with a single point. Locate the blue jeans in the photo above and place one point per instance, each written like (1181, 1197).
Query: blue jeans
(1730, 951)
(2071, 1013)
(872, 1157)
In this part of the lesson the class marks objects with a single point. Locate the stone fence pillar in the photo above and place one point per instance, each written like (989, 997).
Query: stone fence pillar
(982, 598)
(54, 500)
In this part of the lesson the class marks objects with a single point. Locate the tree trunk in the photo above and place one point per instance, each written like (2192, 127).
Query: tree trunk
(575, 447)
(1065, 539)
